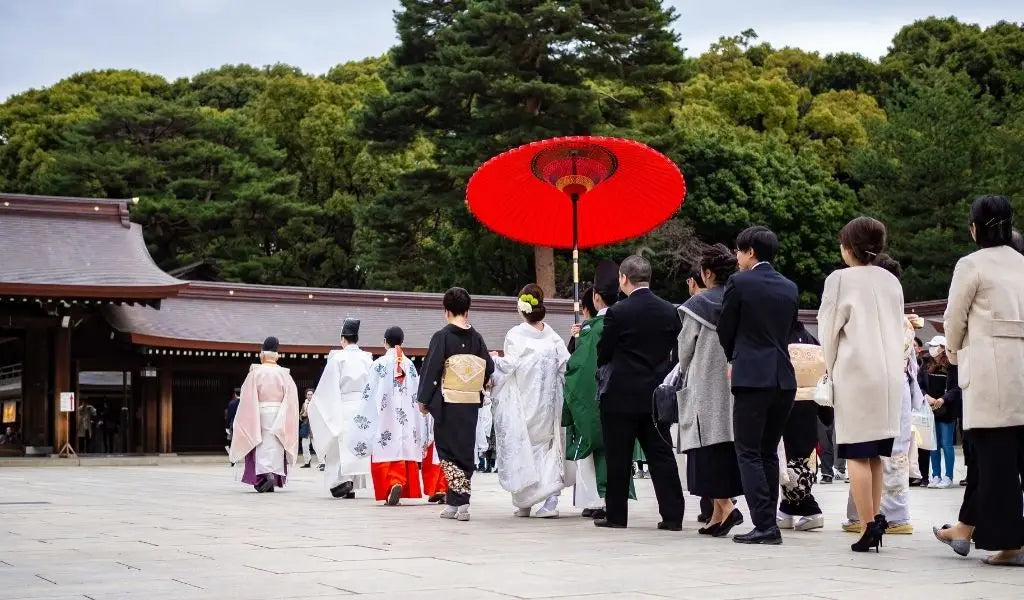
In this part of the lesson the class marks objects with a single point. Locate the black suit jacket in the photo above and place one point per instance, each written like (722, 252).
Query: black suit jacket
(758, 315)
(634, 351)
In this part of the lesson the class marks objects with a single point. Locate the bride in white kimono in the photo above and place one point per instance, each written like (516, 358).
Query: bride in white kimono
(527, 408)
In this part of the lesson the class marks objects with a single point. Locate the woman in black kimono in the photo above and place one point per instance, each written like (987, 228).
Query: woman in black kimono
(452, 381)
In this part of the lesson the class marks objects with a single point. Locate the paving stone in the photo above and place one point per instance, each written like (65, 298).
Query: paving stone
(192, 532)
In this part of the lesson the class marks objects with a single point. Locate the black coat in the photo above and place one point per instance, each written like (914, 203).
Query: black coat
(635, 350)
(759, 313)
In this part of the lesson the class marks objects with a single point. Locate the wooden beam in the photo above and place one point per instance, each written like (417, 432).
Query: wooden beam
(166, 411)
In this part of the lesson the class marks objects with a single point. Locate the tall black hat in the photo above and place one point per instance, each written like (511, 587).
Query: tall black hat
(270, 344)
(350, 328)
(606, 280)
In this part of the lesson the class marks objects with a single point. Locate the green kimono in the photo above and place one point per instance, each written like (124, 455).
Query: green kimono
(581, 416)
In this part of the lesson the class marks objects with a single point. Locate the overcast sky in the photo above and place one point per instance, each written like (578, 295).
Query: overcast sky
(43, 41)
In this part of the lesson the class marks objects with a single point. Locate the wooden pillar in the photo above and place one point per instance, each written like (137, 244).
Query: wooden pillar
(150, 400)
(61, 383)
(166, 411)
(35, 385)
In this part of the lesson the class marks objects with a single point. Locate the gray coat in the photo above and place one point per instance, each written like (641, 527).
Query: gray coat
(705, 401)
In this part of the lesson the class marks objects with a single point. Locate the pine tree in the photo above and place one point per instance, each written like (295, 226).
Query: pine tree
(477, 77)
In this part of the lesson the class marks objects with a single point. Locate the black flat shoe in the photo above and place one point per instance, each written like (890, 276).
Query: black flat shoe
(341, 491)
(769, 537)
(600, 513)
(305, 466)
(670, 526)
(608, 524)
(735, 518)
(350, 496)
(709, 530)
(588, 513)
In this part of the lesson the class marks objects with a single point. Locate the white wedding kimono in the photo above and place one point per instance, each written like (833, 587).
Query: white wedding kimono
(342, 417)
(399, 432)
(527, 407)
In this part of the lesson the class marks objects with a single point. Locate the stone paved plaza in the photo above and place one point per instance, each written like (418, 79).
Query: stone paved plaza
(191, 532)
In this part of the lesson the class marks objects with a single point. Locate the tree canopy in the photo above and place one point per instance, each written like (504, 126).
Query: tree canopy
(356, 177)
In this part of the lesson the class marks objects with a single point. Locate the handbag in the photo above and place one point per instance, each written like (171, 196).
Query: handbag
(823, 392)
(666, 404)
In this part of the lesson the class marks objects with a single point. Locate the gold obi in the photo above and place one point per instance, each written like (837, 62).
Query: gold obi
(463, 379)
(809, 364)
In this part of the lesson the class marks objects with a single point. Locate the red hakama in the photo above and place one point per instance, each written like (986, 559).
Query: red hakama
(397, 472)
(433, 478)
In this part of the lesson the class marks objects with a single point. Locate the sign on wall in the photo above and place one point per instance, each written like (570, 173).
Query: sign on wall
(10, 411)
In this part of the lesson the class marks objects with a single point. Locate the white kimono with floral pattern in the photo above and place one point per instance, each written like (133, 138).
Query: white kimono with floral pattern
(400, 426)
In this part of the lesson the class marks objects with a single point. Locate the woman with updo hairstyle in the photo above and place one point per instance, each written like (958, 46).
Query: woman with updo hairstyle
(527, 403)
(860, 324)
(984, 327)
(705, 400)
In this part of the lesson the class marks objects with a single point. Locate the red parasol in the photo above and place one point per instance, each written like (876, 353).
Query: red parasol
(576, 192)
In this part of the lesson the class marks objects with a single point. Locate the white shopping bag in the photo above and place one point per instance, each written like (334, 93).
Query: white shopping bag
(922, 421)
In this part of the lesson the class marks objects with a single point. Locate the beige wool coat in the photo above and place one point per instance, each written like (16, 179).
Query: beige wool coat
(984, 327)
(860, 325)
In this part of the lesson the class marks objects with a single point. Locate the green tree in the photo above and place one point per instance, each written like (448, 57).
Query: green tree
(475, 78)
(942, 145)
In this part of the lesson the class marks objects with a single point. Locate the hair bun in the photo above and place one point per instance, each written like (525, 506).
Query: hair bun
(530, 303)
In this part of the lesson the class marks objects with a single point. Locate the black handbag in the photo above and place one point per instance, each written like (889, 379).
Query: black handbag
(666, 404)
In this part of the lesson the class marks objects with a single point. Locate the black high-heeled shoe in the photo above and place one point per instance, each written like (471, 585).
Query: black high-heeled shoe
(872, 538)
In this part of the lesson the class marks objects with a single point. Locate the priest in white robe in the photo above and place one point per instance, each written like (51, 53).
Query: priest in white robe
(342, 415)
(527, 407)
(265, 427)
(398, 443)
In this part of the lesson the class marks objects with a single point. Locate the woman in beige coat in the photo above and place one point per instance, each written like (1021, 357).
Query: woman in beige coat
(861, 325)
(984, 327)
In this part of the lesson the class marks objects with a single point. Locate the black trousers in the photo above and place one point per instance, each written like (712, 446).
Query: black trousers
(993, 500)
(924, 463)
(759, 417)
(621, 431)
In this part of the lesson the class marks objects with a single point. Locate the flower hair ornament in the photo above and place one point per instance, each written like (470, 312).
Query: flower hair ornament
(526, 303)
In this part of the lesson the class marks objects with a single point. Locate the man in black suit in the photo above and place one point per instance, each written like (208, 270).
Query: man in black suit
(633, 357)
(758, 314)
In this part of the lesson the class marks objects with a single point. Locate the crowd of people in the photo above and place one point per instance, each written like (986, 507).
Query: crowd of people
(760, 407)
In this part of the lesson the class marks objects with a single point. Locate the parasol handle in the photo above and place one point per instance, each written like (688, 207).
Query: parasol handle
(575, 260)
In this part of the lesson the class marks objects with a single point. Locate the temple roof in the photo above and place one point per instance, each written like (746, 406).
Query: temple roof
(76, 248)
(237, 317)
